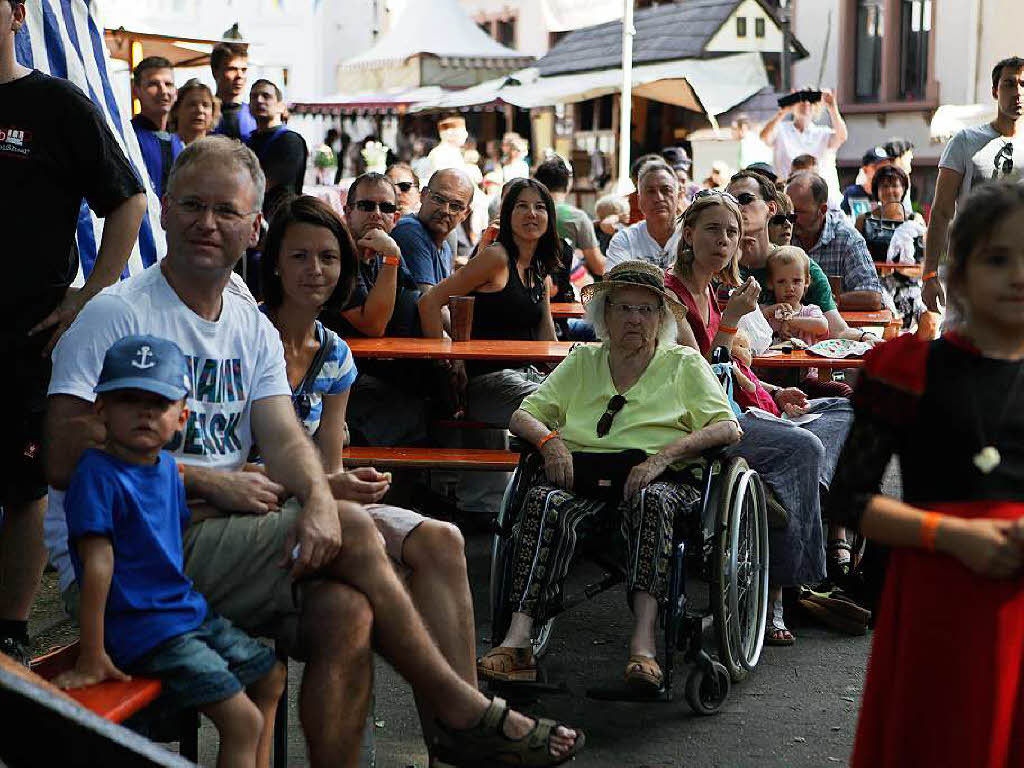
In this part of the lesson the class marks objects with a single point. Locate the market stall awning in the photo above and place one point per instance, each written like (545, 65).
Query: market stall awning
(181, 51)
(951, 118)
(438, 28)
(712, 86)
(385, 102)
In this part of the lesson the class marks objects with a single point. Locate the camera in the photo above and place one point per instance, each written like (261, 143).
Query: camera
(807, 94)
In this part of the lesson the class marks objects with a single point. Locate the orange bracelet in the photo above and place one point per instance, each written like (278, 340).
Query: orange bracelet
(549, 436)
(929, 276)
(390, 261)
(728, 328)
(929, 529)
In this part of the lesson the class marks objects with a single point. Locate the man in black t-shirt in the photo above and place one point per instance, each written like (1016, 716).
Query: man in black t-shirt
(55, 149)
(282, 152)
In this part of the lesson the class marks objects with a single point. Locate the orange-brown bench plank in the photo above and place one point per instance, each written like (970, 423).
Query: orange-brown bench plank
(432, 458)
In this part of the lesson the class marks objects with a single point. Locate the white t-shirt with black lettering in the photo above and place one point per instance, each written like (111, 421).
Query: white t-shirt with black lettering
(972, 153)
(234, 361)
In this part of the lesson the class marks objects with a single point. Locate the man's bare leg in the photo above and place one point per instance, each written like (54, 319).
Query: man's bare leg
(402, 638)
(335, 629)
(439, 587)
(22, 559)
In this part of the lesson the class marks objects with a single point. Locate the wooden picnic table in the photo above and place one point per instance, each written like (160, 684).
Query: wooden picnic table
(800, 358)
(571, 310)
(884, 317)
(495, 350)
(910, 270)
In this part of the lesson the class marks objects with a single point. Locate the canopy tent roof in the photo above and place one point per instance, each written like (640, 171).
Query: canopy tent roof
(390, 102)
(951, 118)
(438, 28)
(679, 30)
(181, 51)
(712, 86)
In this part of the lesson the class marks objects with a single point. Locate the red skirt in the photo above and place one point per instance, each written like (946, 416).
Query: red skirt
(945, 682)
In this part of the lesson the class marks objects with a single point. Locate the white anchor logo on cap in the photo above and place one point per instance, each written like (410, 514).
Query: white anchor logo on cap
(144, 354)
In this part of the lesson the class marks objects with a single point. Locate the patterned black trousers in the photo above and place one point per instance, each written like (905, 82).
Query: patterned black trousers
(553, 520)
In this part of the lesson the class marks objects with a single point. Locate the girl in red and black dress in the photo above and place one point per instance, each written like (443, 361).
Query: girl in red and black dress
(945, 683)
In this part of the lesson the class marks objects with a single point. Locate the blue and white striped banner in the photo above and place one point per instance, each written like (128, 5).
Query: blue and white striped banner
(64, 38)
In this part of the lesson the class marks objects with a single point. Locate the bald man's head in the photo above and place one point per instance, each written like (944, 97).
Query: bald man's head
(446, 202)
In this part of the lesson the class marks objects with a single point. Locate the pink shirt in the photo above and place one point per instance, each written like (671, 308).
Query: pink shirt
(812, 311)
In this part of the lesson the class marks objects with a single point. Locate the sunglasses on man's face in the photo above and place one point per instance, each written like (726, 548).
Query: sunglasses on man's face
(369, 206)
(604, 424)
(781, 218)
(403, 186)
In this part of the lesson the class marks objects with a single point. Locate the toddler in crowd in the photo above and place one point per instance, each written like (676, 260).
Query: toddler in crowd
(126, 513)
(789, 275)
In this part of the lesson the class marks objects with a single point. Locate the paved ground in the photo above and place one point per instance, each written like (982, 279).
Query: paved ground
(798, 708)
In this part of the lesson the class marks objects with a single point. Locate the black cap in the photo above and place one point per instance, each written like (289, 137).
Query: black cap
(875, 155)
(677, 158)
(765, 169)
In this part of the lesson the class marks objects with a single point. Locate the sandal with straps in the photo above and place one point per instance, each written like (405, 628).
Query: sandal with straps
(485, 744)
(508, 664)
(643, 672)
(840, 555)
(776, 633)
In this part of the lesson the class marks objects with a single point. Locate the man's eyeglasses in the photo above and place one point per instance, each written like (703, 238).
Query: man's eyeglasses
(644, 310)
(222, 212)
(369, 206)
(1003, 162)
(781, 218)
(604, 424)
(403, 186)
(453, 205)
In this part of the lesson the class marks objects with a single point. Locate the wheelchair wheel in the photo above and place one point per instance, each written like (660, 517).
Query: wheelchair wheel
(706, 693)
(739, 596)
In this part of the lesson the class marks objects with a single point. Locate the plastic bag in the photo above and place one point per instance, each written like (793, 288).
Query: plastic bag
(756, 327)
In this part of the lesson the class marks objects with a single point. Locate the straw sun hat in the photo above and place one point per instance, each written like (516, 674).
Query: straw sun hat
(636, 274)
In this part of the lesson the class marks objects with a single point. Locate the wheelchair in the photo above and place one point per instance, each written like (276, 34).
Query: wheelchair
(726, 545)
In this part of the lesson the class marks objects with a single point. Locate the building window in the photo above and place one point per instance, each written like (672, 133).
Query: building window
(868, 69)
(741, 26)
(915, 31)
(506, 33)
(759, 28)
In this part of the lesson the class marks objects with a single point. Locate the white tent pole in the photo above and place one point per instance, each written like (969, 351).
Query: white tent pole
(624, 185)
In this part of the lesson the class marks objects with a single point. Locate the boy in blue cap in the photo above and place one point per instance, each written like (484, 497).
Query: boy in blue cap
(139, 613)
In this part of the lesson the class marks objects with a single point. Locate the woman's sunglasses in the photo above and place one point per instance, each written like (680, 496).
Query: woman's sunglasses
(403, 186)
(743, 198)
(781, 218)
(604, 424)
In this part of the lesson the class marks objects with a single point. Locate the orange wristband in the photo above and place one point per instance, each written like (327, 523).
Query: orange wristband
(549, 436)
(929, 275)
(390, 261)
(929, 529)
(728, 328)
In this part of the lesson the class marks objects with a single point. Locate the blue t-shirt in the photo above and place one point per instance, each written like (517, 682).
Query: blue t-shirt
(422, 260)
(336, 376)
(142, 511)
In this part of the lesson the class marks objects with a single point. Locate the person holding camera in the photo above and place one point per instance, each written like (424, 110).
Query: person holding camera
(803, 136)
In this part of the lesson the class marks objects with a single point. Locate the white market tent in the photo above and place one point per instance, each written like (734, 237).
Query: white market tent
(712, 86)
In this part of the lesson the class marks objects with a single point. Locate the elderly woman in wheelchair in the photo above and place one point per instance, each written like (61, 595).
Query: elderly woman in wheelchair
(619, 428)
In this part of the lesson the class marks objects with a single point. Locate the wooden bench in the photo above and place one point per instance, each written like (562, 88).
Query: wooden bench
(432, 458)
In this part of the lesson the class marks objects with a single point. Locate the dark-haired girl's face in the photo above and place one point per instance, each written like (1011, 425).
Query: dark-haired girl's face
(890, 190)
(993, 281)
(309, 264)
(529, 215)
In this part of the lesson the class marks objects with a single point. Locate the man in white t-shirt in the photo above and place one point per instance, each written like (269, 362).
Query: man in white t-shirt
(271, 567)
(656, 238)
(975, 155)
(803, 136)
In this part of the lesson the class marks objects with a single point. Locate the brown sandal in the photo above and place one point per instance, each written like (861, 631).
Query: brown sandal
(643, 672)
(508, 664)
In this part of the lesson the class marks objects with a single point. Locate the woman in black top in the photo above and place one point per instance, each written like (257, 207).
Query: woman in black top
(510, 281)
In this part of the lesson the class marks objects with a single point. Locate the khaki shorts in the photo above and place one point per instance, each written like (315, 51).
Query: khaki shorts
(395, 524)
(233, 562)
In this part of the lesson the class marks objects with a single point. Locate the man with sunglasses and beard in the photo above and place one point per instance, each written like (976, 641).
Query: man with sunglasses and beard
(383, 303)
(975, 155)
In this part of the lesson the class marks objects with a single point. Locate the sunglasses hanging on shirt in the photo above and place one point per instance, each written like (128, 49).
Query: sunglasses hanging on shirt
(1003, 162)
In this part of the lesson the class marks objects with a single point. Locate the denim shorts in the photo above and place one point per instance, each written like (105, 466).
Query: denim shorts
(211, 663)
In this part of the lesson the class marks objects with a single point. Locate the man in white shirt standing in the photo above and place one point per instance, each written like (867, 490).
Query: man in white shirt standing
(656, 238)
(803, 136)
(973, 156)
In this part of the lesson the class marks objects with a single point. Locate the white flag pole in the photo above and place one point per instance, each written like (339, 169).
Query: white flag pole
(625, 186)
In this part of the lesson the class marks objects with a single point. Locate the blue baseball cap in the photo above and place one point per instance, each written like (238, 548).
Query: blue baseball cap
(146, 363)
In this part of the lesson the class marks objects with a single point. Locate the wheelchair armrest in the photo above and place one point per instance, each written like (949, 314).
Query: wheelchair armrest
(519, 445)
(717, 453)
